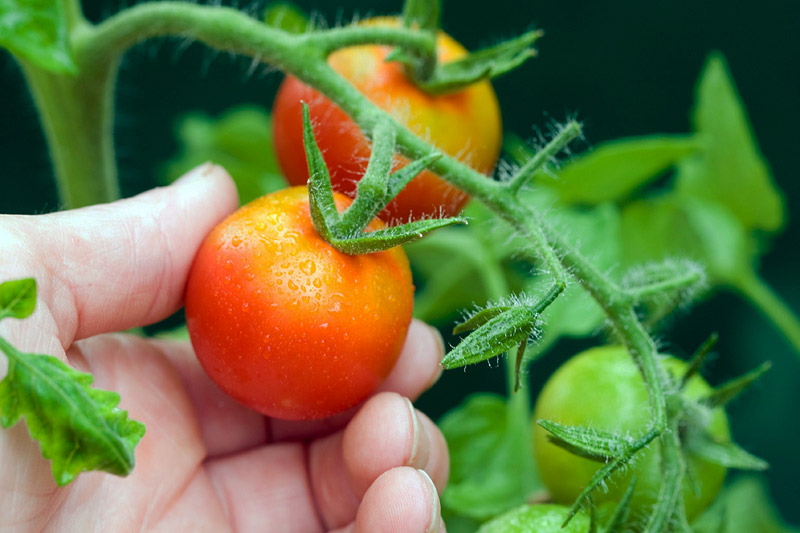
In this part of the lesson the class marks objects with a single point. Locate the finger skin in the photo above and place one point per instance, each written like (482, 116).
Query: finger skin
(386, 433)
(116, 266)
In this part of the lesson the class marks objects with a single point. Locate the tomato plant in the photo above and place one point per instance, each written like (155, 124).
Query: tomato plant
(542, 518)
(465, 124)
(603, 389)
(285, 323)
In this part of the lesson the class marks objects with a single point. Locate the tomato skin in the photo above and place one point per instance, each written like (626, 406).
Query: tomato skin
(603, 388)
(465, 125)
(285, 323)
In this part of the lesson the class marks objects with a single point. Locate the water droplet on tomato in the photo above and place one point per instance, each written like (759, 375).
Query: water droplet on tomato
(308, 267)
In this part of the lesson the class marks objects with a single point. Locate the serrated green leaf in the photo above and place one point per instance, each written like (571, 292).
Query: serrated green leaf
(727, 454)
(78, 427)
(730, 170)
(17, 298)
(613, 170)
(481, 65)
(498, 335)
(36, 31)
(491, 461)
(586, 442)
(286, 16)
(240, 140)
(744, 506)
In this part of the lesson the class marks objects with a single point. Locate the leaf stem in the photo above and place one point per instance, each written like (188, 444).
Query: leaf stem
(771, 306)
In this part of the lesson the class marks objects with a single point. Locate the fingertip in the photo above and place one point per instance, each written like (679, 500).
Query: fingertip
(402, 499)
(210, 181)
(418, 367)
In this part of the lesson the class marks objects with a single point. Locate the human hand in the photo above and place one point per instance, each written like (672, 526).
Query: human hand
(206, 463)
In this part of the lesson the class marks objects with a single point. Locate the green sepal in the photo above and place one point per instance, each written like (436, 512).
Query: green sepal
(322, 206)
(36, 31)
(698, 358)
(585, 442)
(616, 523)
(422, 14)
(484, 64)
(78, 427)
(725, 393)
(727, 454)
(17, 298)
(286, 16)
(480, 318)
(400, 178)
(383, 239)
(498, 335)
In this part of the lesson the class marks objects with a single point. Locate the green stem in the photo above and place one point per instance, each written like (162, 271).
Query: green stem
(772, 306)
(77, 118)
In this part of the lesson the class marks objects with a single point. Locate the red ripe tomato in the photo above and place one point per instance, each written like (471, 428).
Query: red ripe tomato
(285, 323)
(465, 125)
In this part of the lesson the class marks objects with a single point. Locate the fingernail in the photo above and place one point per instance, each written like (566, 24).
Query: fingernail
(197, 172)
(441, 349)
(416, 428)
(436, 511)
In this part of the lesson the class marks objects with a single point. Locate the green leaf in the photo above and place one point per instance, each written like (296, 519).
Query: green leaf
(17, 298)
(491, 461)
(79, 428)
(586, 442)
(613, 170)
(240, 140)
(730, 169)
(481, 65)
(540, 518)
(743, 507)
(726, 454)
(286, 16)
(669, 283)
(36, 31)
(496, 336)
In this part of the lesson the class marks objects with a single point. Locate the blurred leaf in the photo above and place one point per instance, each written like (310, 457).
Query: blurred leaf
(17, 298)
(730, 170)
(36, 31)
(79, 428)
(286, 16)
(670, 226)
(540, 518)
(240, 140)
(491, 461)
(613, 170)
(743, 507)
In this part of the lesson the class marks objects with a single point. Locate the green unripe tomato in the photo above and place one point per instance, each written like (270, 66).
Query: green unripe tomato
(542, 518)
(602, 388)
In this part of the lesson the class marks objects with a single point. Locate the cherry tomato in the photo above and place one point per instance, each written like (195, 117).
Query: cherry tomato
(465, 124)
(602, 388)
(285, 323)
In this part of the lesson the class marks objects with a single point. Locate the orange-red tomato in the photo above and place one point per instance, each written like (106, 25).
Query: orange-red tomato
(465, 125)
(285, 323)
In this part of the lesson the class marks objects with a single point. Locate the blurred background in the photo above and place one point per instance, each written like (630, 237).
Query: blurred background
(624, 68)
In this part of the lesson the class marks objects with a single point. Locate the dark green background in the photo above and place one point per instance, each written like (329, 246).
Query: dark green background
(624, 68)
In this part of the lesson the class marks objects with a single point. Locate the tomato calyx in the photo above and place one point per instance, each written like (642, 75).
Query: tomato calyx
(375, 190)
